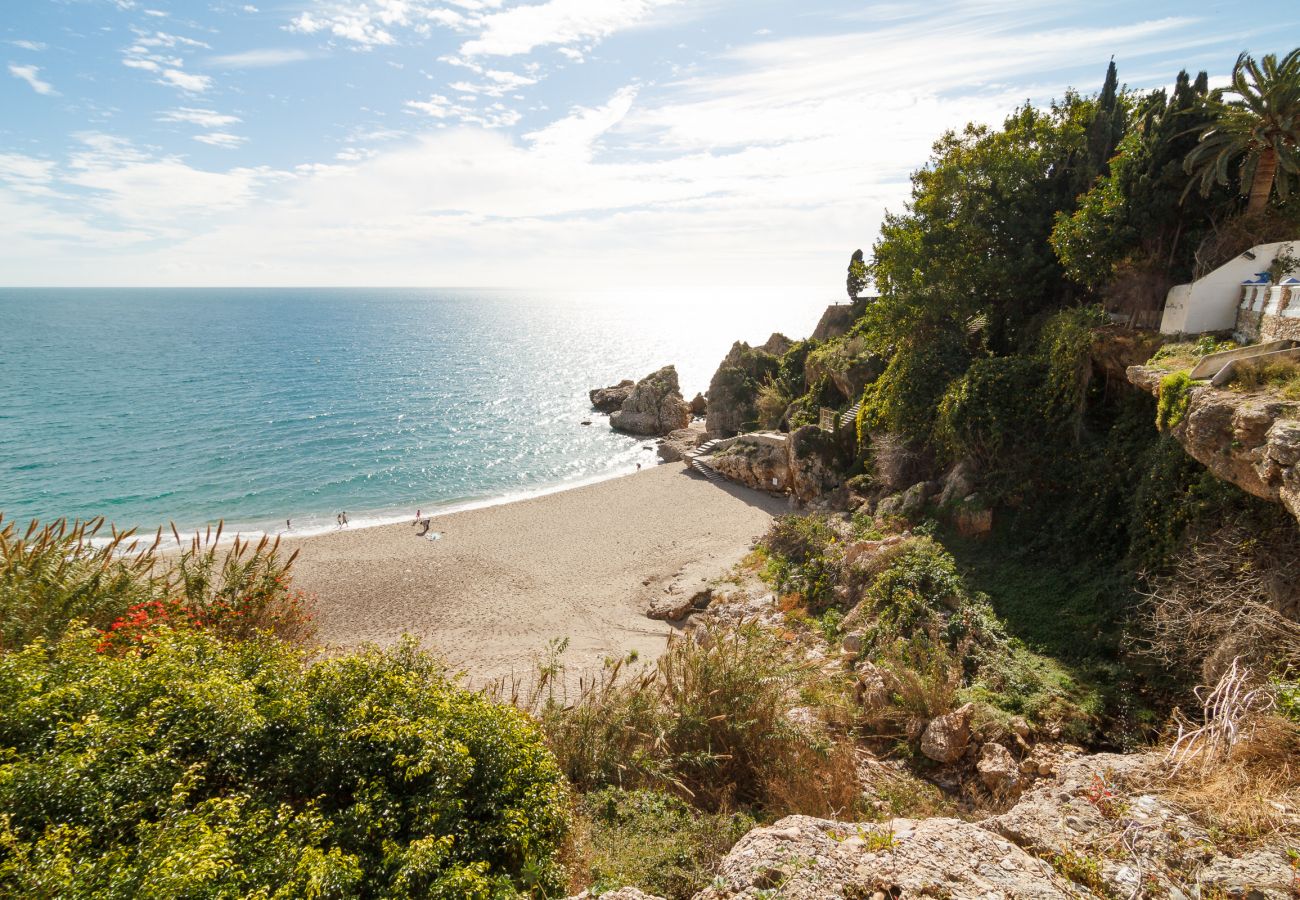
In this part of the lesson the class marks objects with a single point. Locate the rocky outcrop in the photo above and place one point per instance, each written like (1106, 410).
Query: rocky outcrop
(677, 444)
(698, 405)
(1102, 804)
(802, 858)
(760, 460)
(1251, 440)
(1100, 821)
(626, 893)
(836, 320)
(733, 389)
(815, 464)
(611, 399)
(654, 406)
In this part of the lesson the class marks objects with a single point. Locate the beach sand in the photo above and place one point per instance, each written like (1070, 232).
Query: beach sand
(504, 580)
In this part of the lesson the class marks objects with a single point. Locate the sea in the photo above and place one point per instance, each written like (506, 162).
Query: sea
(275, 410)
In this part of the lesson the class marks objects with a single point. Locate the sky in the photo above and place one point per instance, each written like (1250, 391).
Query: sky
(543, 143)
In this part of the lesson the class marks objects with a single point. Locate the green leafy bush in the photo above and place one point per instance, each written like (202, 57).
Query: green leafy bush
(996, 406)
(202, 768)
(802, 558)
(1175, 397)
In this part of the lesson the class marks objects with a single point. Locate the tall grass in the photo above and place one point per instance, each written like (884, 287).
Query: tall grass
(121, 584)
(711, 722)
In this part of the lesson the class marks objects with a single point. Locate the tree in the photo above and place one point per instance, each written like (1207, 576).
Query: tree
(857, 275)
(1136, 219)
(1261, 128)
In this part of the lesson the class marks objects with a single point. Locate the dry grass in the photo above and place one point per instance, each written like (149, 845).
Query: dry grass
(1230, 595)
(713, 722)
(1281, 376)
(1252, 793)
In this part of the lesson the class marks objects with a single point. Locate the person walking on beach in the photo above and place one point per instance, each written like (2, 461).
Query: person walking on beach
(288, 525)
(344, 516)
(417, 518)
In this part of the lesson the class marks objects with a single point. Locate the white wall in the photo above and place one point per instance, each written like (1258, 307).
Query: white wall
(1210, 303)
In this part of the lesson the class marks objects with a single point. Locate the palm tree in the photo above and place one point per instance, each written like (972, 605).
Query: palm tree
(1261, 127)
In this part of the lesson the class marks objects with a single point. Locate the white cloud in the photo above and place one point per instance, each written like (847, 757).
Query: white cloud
(204, 118)
(773, 161)
(34, 46)
(259, 59)
(576, 134)
(249, 8)
(496, 83)
(220, 139)
(145, 53)
(574, 55)
(522, 28)
(373, 23)
(494, 115)
(31, 75)
(192, 84)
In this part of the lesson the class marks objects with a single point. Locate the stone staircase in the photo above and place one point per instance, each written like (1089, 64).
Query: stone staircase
(850, 414)
(694, 460)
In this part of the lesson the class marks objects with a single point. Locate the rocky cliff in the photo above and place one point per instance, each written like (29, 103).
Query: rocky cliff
(654, 406)
(1249, 439)
(733, 389)
(1101, 827)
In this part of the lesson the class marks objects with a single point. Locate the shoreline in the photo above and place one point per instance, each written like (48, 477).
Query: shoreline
(378, 518)
(506, 579)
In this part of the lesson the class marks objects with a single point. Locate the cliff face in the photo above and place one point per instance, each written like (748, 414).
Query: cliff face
(1251, 440)
(734, 387)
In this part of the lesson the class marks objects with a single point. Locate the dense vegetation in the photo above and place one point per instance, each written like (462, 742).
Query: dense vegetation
(161, 737)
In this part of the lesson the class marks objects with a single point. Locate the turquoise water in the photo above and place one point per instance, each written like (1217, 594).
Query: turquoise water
(258, 405)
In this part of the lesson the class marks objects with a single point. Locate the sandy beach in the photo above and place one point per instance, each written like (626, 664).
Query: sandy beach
(504, 580)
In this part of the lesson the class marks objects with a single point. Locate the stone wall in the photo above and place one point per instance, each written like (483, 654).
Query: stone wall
(1268, 313)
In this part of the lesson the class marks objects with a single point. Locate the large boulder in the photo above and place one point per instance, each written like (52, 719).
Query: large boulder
(836, 321)
(611, 399)
(733, 390)
(699, 406)
(946, 737)
(654, 406)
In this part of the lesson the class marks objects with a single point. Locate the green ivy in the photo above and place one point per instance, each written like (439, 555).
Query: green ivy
(1175, 397)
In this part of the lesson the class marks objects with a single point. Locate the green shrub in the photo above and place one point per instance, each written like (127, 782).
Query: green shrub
(995, 407)
(654, 841)
(1175, 397)
(200, 768)
(803, 558)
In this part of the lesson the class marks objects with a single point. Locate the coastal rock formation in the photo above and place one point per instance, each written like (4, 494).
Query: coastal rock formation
(611, 399)
(654, 406)
(680, 442)
(1251, 440)
(815, 470)
(699, 406)
(777, 344)
(733, 389)
(814, 859)
(760, 460)
(626, 893)
(836, 320)
(849, 373)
